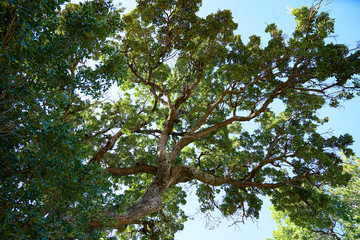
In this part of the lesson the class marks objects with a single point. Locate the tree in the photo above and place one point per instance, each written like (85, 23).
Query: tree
(77, 165)
(46, 190)
(343, 213)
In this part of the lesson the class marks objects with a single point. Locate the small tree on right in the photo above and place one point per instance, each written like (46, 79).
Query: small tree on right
(343, 213)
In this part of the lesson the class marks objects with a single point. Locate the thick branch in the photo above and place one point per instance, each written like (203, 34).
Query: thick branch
(109, 145)
(184, 173)
(143, 168)
(151, 201)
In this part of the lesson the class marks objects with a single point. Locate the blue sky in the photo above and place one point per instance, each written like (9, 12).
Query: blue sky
(252, 17)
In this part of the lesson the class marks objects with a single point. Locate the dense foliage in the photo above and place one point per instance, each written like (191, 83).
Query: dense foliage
(342, 214)
(46, 189)
(76, 165)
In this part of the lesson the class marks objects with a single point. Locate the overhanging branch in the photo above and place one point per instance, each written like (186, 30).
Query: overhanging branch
(143, 168)
(185, 173)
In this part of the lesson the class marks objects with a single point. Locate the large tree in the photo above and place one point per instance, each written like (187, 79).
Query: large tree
(76, 164)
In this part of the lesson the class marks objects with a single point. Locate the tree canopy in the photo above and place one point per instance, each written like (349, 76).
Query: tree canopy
(342, 215)
(77, 165)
